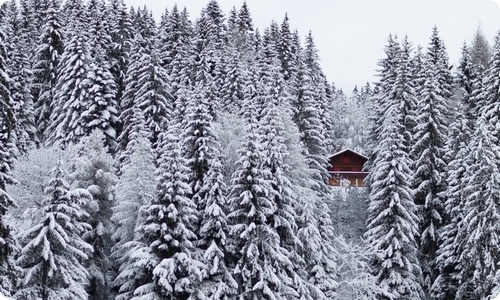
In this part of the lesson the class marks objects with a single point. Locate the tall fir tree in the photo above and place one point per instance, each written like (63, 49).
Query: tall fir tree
(94, 170)
(102, 111)
(457, 149)
(45, 69)
(478, 255)
(392, 228)
(173, 270)
(428, 151)
(54, 252)
(8, 243)
(71, 97)
(22, 99)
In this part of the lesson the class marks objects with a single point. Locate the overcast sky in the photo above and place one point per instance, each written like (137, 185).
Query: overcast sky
(350, 34)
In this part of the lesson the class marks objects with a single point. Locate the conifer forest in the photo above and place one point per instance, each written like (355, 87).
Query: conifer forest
(186, 158)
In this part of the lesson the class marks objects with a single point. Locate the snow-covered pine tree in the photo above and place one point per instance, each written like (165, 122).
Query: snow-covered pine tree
(323, 94)
(102, 111)
(145, 24)
(387, 74)
(71, 96)
(73, 11)
(135, 190)
(8, 243)
(218, 282)
(480, 50)
(489, 105)
(99, 31)
(54, 252)
(271, 137)
(168, 231)
(95, 171)
(127, 99)
(121, 32)
(22, 99)
(465, 75)
(428, 152)
(45, 68)
(32, 16)
(392, 214)
(153, 96)
(253, 241)
(207, 192)
(286, 49)
(478, 237)
(175, 47)
(232, 90)
(457, 150)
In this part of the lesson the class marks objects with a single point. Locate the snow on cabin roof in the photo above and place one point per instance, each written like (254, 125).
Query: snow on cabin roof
(347, 150)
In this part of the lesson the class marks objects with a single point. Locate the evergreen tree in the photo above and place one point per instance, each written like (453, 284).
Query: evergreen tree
(153, 96)
(480, 50)
(99, 30)
(94, 171)
(232, 90)
(121, 32)
(22, 100)
(54, 251)
(489, 105)
(393, 221)
(429, 152)
(101, 112)
(168, 230)
(127, 100)
(457, 149)
(45, 69)
(71, 97)
(135, 191)
(218, 283)
(254, 242)
(285, 49)
(8, 243)
(478, 255)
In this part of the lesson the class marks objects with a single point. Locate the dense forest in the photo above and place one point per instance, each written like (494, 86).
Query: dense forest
(187, 159)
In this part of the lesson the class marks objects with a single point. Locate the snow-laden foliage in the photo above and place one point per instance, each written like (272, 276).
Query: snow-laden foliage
(222, 134)
(54, 253)
(392, 213)
(356, 280)
(94, 170)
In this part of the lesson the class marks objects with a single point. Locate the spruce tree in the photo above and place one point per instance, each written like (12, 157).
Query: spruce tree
(490, 94)
(128, 100)
(45, 68)
(153, 95)
(393, 221)
(95, 171)
(8, 243)
(22, 99)
(71, 97)
(429, 152)
(478, 255)
(174, 271)
(54, 252)
(457, 149)
(254, 242)
(121, 32)
(102, 111)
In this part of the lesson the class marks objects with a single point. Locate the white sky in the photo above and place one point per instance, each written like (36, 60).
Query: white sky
(350, 34)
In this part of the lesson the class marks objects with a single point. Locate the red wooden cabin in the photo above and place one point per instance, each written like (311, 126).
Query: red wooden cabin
(347, 165)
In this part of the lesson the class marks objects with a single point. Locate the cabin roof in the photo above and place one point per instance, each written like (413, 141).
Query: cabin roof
(349, 151)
